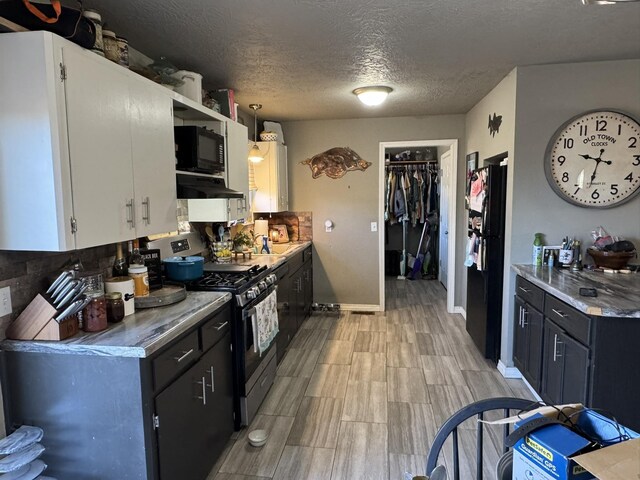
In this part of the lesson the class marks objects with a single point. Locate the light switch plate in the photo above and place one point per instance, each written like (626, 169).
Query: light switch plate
(5, 301)
(374, 226)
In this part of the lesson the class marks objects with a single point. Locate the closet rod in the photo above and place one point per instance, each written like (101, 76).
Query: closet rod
(410, 162)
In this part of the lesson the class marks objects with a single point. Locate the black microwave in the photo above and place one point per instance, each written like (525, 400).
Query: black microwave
(199, 150)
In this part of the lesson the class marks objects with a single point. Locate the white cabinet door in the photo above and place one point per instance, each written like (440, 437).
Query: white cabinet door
(238, 169)
(271, 178)
(97, 106)
(153, 155)
(283, 186)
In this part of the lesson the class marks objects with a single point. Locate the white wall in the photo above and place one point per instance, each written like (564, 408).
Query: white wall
(346, 261)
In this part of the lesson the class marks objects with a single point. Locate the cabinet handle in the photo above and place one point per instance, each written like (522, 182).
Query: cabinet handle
(220, 326)
(520, 316)
(524, 290)
(146, 203)
(556, 355)
(131, 214)
(184, 355)
(204, 391)
(524, 318)
(213, 381)
(559, 313)
(266, 377)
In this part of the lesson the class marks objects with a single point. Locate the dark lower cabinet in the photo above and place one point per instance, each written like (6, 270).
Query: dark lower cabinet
(286, 322)
(588, 359)
(194, 421)
(527, 350)
(307, 286)
(566, 367)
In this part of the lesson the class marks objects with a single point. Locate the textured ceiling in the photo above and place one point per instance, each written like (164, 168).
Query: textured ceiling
(302, 58)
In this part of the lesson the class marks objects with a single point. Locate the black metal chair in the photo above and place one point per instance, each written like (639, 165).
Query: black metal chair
(509, 405)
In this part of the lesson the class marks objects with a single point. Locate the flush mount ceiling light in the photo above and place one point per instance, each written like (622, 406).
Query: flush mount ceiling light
(254, 154)
(606, 2)
(372, 96)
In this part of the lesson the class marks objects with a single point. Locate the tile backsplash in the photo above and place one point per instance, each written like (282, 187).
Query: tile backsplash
(29, 273)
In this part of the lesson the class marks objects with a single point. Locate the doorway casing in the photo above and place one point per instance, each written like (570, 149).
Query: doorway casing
(452, 144)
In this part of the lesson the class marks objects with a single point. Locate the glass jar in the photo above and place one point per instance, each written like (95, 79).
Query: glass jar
(111, 50)
(123, 51)
(95, 18)
(115, 306)
(140, 275)
(94, 315)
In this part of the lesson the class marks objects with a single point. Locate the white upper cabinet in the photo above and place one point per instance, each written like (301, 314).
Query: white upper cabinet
(271, 179)
(238, 169)
(86, 148)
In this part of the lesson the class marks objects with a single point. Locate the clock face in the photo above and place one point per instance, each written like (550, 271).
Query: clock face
(594, 159)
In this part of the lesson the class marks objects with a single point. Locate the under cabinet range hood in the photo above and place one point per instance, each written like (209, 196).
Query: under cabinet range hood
(192, 187)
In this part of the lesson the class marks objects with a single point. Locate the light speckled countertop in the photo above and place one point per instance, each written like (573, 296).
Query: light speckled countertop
(138, 335)
(618, 293)
(272, 260)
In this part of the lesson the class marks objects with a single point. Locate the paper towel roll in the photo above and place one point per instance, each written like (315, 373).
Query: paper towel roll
(261, 227)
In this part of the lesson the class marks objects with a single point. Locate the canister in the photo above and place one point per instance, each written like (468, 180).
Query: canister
(95, 18)
(111, 50)
(192, 86)
(125, 286)
(123, 51)
(140, 275)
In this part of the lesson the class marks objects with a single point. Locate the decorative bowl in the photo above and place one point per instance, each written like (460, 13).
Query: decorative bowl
(258, 438)
(269, 136)
(614, 260)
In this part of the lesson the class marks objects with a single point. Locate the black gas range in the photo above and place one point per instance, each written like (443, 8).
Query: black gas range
(250, 285)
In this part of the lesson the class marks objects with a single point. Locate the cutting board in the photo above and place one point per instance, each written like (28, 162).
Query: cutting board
(163, 296)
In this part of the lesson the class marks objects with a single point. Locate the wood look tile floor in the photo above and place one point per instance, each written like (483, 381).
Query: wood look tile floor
(361, 396)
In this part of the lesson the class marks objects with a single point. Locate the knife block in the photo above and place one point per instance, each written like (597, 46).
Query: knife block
(36, 323)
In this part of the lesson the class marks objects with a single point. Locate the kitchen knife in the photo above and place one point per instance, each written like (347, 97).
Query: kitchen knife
(80, 290)
(66, 289)
(58, 280)
(68, 311)
(61, 286)
(75, 288)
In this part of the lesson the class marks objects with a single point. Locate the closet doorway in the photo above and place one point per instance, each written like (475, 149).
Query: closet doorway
(423, 159)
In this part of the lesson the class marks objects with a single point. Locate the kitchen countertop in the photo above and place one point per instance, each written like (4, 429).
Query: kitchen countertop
(618, 293)
(272, 260)
(138, 335)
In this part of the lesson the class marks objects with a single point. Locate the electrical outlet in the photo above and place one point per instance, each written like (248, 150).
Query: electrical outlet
(5, 301)
(374, 226)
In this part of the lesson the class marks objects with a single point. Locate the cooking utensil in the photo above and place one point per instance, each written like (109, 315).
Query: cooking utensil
(66, 312)
(58, 280)
(183, 269)
(209, 232)
(80, 290)
(63, 283)
(66, 289)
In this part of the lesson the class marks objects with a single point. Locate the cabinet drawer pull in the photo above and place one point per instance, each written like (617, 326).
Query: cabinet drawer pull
(131, 213)
(204, 391)
(559, 313)
(524, 318)
(524, 289)
(184, 355)
(556, 355)
(146, 203)
(220, 326)
(264, 380)
(213, 381)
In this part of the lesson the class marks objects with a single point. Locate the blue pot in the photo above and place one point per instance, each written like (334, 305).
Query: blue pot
(182, 269)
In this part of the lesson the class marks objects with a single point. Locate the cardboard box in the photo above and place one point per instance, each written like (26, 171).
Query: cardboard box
(556, 452)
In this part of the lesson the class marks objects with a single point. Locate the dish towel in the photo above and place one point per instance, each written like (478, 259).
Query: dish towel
(265, 323)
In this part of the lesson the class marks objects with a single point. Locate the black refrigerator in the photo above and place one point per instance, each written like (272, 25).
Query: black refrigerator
(486, 193)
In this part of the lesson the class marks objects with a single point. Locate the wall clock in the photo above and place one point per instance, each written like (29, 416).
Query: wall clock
(593, 160)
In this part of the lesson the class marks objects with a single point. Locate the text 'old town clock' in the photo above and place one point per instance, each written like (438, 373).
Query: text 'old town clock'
(593, 160)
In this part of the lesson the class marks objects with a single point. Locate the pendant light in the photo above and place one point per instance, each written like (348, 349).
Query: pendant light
(254, 154)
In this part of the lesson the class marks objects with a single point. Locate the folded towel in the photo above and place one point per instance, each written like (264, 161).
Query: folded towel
(265, 323)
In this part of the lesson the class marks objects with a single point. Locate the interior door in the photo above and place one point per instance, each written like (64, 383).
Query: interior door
(443, 255)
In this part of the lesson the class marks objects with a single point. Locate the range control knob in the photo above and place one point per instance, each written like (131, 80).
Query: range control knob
(262, 285)
(271, 279)
(253, 292)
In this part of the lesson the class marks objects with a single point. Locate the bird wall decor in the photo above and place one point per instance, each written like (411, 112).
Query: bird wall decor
(494, 124)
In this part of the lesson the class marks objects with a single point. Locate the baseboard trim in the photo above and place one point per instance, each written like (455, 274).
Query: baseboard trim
(461, 311)
(359, 307)
(508, 372)
(531, 389)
